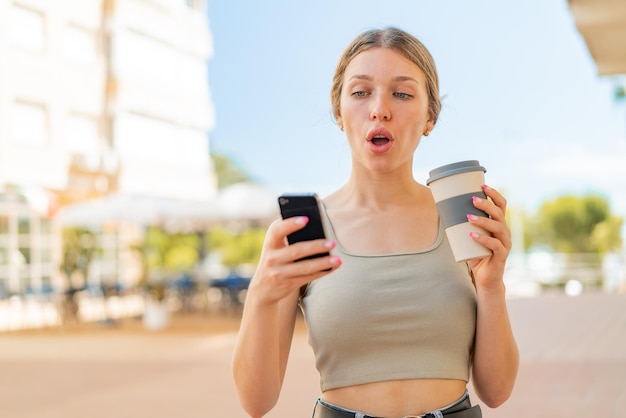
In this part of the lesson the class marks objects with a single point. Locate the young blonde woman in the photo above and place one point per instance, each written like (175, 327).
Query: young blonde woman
(398, 327)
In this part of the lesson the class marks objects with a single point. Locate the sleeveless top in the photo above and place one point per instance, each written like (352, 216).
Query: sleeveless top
(391, 317)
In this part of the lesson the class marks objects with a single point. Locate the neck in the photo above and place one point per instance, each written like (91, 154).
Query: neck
(381, 191)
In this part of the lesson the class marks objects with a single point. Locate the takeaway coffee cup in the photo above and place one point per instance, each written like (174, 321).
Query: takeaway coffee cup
(453, 186)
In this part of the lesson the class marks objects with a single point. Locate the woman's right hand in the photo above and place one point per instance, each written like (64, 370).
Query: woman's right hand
(269, 313)
(278, 273)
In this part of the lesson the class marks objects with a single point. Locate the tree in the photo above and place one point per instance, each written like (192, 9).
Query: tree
(79, 248)
(234, 248)
(575, 224)
(227, 172)
(237, 248)
(165, 255)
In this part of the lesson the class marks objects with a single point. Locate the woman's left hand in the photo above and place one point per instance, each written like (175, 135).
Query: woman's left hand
(489, 271)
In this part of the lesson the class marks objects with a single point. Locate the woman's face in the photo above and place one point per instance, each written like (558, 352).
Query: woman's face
(384, 109)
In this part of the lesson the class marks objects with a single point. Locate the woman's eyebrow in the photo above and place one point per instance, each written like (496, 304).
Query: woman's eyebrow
(406, 78)
(399, 78)
(362, 77)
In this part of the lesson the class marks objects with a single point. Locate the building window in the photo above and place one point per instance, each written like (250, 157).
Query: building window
(80, 46)
(29, 123)
(150, 62)
(23, 225)
(82, 134)
(26, 249)
(143, 138)
(27, 29)
(46, 226)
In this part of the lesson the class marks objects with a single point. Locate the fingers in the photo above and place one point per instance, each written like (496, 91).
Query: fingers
(306, 257)
(280, 228)
(313, 268)
(276, 239)
(301, 260)
(494, 242)
(283, 268)
(279, 274)
(496, 225)
(496, 208)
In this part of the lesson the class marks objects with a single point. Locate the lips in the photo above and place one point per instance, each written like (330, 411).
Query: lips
(380, 140)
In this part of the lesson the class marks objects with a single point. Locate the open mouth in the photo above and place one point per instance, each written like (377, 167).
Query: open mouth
(380, 140)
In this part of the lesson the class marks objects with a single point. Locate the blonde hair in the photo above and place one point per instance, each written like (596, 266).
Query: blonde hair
(400, 41)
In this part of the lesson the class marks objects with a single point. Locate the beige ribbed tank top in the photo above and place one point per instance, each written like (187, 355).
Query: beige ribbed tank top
(390, 317)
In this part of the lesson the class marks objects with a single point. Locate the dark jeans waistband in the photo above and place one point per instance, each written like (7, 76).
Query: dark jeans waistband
(460, 409)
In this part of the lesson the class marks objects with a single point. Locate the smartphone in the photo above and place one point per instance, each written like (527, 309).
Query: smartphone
(303, 204)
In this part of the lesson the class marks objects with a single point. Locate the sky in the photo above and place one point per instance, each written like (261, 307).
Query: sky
(522, 94)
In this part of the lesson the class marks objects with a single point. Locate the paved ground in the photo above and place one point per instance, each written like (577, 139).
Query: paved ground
(573, 364)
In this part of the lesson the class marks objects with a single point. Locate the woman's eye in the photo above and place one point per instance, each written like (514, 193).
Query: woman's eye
(400, 95)
(359, 94)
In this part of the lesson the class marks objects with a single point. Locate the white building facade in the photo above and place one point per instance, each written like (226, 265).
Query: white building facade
(97, 97)
(159, 98)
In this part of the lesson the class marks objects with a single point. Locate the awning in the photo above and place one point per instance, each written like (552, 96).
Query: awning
(602, 24)
(238, 202)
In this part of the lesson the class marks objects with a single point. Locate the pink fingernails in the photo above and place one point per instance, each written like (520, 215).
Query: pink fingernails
(335, 260)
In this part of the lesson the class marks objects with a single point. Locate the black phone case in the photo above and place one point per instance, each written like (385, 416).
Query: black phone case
(303, 205)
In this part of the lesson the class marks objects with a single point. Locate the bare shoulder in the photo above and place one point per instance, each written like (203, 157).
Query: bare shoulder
(333, 200)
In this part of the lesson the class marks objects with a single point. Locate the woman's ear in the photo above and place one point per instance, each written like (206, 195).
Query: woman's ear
(340, 122)
(429, 127)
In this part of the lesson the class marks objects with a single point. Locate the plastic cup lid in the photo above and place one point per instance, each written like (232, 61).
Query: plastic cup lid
(454, 168)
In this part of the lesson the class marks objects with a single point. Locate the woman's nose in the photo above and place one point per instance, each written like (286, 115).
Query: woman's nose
(380, 109)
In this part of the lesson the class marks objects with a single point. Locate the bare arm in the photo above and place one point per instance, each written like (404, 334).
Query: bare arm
(267, 325)
(496, 357)
(261, 352)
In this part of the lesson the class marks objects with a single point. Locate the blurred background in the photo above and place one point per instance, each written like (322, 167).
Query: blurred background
(143, 144)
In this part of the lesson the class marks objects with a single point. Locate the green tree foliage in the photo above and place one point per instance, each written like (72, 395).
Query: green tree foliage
(79, 248)
(236, 248)
(529, 230)
(165, 256)
(574, 224)
(166, 253)
(227, 172)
